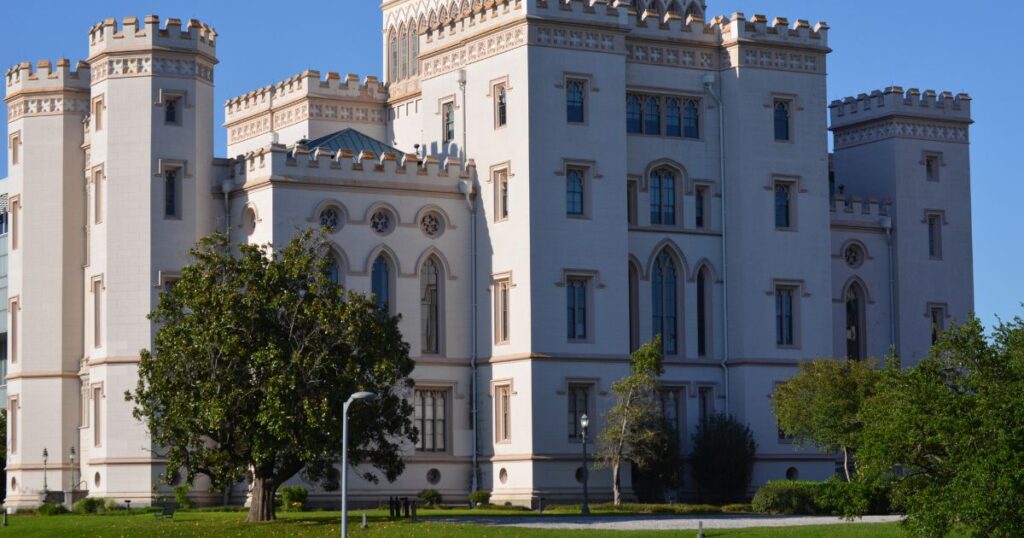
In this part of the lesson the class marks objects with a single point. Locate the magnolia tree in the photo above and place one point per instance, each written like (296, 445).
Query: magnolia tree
(256, 352)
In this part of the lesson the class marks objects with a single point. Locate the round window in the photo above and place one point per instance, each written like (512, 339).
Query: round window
(330, 218)
(14, 484)
(432, 224)
(249, 221)
(579, 474)
(96, 479)
(433, 476)
(503, 475)
(382, 222)
(853, 255)
(792, 474)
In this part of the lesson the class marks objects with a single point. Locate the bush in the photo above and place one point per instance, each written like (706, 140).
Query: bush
(181, 496)
(723, 459)
(51, 509)
(430, 497)
(480, 498)
(741, 508)
(788, 497)
(853, 499)
(293, 498)
(89, 505)
(110, 505)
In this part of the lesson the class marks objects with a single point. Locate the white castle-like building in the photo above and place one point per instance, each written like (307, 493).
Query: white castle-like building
(536, 186)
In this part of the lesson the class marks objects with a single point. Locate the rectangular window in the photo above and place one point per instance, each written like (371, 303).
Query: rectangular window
(500, 105)
(576, 304)
(13, 414)
(631, 202)
(15, 308)
(97, 114)
(931, 167)
(97, 302)
(502, 413)
(5, 223)
(782, 112)
(15, 204)
(702, 313)
(575, 179)
(783, 205)
(700, 207)
(673, 118)
(576, 100)
(579, 400)
(691, 118)
(97, 196)
(784, 319)
(706, 400)
(634, 114)
(171, 193)
(431, 412)
(671, 409)
(501, 311)
(83, 414)
(935, 236)
(500, 195)
(448, 122)
(97, 397)
(937, 314)
(15, 144)
(652, 116)
(172, 114)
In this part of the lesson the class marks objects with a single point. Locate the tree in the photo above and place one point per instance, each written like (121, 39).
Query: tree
(723, 458)
(948, 433)
(632, 425)
(255, 354)
(821, 404)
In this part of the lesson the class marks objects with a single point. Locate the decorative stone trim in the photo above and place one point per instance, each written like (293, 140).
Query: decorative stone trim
(149, 64)
(902, 128)
(47, 105)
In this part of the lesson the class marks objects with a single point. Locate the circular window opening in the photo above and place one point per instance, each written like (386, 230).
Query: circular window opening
(14, 484)
(792, 473)
(432, 224)
(382, 221)
(854, 256)
(503, 475)
(579, 474)
(96, 479)
(330, 218)
(249, 221)
(433, 476)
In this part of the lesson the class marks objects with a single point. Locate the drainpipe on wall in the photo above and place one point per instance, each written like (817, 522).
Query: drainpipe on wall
(709, 88)
(886, 223)
(467, 189)
(225, 187)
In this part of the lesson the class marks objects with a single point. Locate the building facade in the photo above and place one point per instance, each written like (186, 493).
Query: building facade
(536, 186)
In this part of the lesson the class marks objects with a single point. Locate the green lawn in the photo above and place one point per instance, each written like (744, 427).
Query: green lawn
(316, 524)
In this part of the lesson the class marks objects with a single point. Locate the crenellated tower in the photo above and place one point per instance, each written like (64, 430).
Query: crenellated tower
(150, 132)
(46, 104)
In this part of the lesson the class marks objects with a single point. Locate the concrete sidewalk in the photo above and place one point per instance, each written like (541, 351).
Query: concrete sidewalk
(660, 522)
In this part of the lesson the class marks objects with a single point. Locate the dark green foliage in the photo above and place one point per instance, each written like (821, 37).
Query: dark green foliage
(293, 498)
(89, 505)
(51, 509)
(181, 496)
(256, 352)
(853, 499)
(949, 433)
(738, 508)
(723, 459)
(480, 497)
(787, 497)
(430, 498)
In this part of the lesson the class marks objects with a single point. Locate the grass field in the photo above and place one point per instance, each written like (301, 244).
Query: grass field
(326, 524)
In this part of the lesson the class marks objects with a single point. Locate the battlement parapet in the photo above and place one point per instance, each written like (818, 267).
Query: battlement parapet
(737, 28)
(305, 85)
(297, 162)
(131, 35)
(894, 101)
(853, 207)
(47, 76)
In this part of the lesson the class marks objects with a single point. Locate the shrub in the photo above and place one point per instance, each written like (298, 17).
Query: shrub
(787, 497)
(742, 508)
(293, 498)
(853, 499)
(430, 497)
(110, 505)
(89, 505)
(181, 496)
(723, 459)
(51, 509)
(480, 498)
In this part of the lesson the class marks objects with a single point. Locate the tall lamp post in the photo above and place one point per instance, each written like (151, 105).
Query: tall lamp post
(344, 457)
(584, 422)
(73, 483)
(46, 456)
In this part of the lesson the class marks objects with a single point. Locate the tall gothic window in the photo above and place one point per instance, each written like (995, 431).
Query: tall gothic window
(854, 322)
(691, 119)
(430, 306)
(576, 303)
(634, 307)
(703, 312)
(665, 305)
(673, 118)
(381, 283)
(634, 115)
(414, 39)
(663, 196)
(171, 193)
(393, 56)
(403, 52)
(333, 269)
(579, 403)
(430, 416)
(784, 319)
(574, 191)
(783, 198)
(782, 120)
(448, 117)
(652, 116)
(575, 101)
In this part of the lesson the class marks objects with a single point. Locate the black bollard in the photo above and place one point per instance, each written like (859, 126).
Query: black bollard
(393, 507)
(405, 507)
(414, 511)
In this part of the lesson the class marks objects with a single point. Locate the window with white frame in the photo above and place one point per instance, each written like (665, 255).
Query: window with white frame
(576, 100)
(430, 417)
(430, 305)
(97, 196)
(575, 191)
(503, 413)
(662, 191)
(502, 299)
(782, 118)
(173, 109)
(97, 415)
(934, 222)
(98, 109)
(579, 402)
(932, 163)
(937, 316)
(501, 205)
(172, 193)
(14, 142)
(14, 309)
(448, 122)
(783, 205)
(665, 303)
(671, 403)
(576, 306)
(380, 284)
(97, 311)
(13, 422)
(500, 92)
(785, 315)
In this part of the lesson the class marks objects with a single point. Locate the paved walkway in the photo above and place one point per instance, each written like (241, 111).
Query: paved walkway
(659, 522)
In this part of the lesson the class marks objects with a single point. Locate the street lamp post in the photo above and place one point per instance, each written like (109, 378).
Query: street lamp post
(584, 422)
(46, 456)
(73, 483)
(344, 457)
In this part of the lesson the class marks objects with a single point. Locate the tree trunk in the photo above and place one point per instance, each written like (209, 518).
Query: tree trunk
(846, 463)
(616, 490)
(261, 505)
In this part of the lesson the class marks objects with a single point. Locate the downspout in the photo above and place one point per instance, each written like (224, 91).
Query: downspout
(709, 87)
(886, 223)
(225, 187)
(467, 188)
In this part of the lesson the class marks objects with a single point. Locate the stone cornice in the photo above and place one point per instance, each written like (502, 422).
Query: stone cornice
(47, 104)
(144, 64)
(901, 127)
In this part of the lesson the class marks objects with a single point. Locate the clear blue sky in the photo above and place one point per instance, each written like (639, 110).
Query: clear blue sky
(940, 44)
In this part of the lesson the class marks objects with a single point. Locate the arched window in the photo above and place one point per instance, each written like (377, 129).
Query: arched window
(414, 39)
(663, 196)
(664, 303)
(673, 118)
(652, 116)
(781, 120)
(403, 53)
(703, 312)
(575, 103)
(333, 268)
(855, 322)
(430, 306)
(634, 115)
(381, 283)
(393, 56)
(691, 119)
(634, 307)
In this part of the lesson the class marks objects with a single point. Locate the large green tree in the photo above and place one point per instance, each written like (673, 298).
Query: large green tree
(633, 428)
(723, 458)
(949, 433)
(255, 353)
(821, 404)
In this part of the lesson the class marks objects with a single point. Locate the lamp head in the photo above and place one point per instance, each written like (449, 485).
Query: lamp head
(363, 396)
(46, 454)
(584, 421)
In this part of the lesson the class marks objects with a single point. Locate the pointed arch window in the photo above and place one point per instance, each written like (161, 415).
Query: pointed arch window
(403, 52)
(673, 118)
(414, 40)
(665, 304)
(430, 305)
(691, 119)
(855, 322)
(333, 268)
(393, 56)
(652, 116)
(782, 119)
(634, 115)
(381, 283)
(703, 312)
(663, 196)
(634, 307)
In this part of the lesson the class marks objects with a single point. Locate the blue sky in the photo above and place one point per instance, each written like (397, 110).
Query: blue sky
(938, 44)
